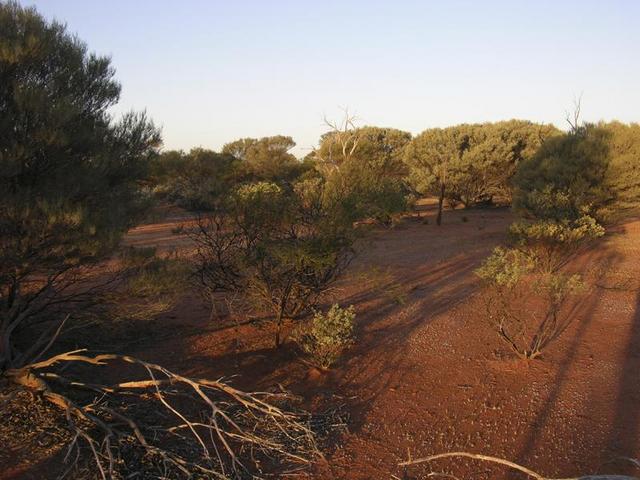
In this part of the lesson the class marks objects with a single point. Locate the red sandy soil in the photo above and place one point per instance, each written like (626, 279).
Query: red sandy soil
(427, 375)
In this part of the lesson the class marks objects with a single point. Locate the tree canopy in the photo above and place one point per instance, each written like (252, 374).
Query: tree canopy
(472, 163)
(267, 158)
(71, 174)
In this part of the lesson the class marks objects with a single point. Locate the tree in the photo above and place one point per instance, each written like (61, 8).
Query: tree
(266, 158)
(72, 182)
(363, 169)
(431, 158)
(573, 167)
(622, 177)
(485, 169)
(472, 164)
(196, 180)
(70, 173)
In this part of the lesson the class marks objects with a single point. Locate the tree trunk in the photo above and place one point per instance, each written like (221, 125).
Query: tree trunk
(213, 313)
(440, 202)
(6, 357)
(279, 328)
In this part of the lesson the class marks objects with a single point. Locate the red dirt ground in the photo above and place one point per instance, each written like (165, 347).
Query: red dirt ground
(427, 376)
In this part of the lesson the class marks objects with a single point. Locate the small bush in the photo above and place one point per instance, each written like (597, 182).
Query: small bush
(526, 305)
(328, 335)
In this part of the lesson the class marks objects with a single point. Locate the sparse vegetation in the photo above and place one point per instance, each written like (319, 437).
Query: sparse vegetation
(105, 237)
(526, 307)
(280, 250)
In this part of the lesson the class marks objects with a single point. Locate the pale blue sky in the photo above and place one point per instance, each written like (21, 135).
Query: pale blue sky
(212, 71)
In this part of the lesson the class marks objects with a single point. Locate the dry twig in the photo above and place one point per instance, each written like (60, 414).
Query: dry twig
(507, 463)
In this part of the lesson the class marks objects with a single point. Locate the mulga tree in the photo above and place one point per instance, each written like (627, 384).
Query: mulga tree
(267, 158)
(622, 178)
(432, 158)
(195, 180)
(485, 169)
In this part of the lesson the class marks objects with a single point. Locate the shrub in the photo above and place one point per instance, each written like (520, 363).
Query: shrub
(524, 305)
(328, 335)
(552, 243)
(277, 248)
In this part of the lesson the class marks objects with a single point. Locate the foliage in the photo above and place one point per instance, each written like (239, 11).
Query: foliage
(551, 243)
(491, 157)
(622, 177)
(431, 158)
(364, 172)
(594, 167)
(279, 249)
(71, 175)
(525, 306)
(328, 335)
(197, 180)
(471, 164)
(565, 178)
(267, 158)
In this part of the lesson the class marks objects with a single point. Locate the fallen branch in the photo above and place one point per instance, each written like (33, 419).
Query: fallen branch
(507, 463)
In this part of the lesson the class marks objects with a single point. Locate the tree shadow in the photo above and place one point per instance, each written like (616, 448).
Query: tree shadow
(625, 425)
(624, 433)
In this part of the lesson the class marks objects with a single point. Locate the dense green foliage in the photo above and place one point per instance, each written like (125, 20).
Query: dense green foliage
(623, 173)
(364, 172)
(70, 176)
(266, 158)
(471, 164)
(565, 178)
(196, 180)
(593, 169)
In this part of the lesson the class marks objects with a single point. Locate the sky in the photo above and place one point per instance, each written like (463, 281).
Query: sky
(209, 72)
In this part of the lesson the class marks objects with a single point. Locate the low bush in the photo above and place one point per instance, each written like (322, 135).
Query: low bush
(325, 338)
(526, 305)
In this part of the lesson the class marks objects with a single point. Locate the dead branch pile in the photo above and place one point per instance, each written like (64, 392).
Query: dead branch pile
(185, 427)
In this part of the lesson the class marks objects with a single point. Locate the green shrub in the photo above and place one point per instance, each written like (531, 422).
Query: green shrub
(328, 335)
(551, 243)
